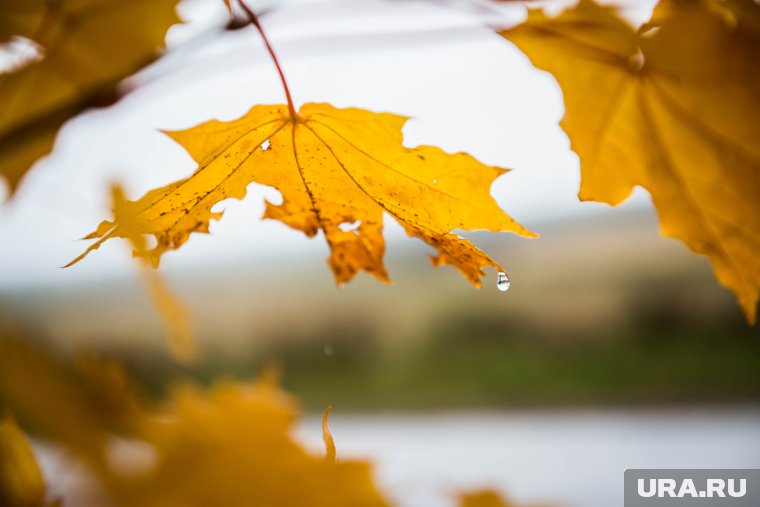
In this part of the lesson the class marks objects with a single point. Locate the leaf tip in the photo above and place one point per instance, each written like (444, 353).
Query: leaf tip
(749, 309)
(327, 436)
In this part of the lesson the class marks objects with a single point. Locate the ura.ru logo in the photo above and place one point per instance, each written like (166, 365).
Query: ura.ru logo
(714, 488)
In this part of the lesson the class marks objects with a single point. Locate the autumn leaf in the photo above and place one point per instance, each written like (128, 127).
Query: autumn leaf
(233, 445)
(87, 47)
(673, 108)
(76, 406)
(486, 498)
(338, 170)
(21, 483)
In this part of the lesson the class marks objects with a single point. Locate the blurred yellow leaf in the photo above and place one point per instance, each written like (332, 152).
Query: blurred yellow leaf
(21, 483)
(232, 446)
(673, 108)
(488, 498)
(229, 445)
(338, 170)
(75, 406)
(483, 499)
(87, 47)
(175, 316)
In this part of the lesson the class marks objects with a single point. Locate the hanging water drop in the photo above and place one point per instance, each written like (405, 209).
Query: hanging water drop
(502, 282)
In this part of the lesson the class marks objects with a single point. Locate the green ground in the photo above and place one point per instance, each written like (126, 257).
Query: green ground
(474, 361)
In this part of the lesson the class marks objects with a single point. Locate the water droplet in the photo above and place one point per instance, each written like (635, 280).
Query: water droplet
(265, 145)
(502, 282)
(435, 181)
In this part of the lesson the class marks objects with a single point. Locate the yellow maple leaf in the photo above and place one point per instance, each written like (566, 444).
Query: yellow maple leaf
(673, 108)
(87, 47)
(338, 170)
(233, 445)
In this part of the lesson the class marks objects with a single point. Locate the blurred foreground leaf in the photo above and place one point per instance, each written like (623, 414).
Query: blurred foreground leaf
(487, 498)
(233, 445)
(21, 483)
(175, 315)
(77, 407)
(483, 499)
(87, 47)
(230, 445)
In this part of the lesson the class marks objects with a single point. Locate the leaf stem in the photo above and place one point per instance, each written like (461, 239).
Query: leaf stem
(255, 22)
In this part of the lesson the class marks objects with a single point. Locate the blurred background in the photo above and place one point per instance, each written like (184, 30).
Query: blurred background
(614, 348)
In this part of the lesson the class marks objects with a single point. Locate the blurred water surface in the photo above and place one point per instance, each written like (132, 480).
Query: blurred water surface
(573, 458)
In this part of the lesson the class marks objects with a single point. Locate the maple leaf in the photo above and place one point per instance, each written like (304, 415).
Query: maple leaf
(87, 48)
(233, 445)
(673, 108)
(338, 171)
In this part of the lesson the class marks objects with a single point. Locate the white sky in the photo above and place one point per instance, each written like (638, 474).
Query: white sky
(467, 88)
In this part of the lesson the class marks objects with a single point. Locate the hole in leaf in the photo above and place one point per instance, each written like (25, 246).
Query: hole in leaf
(350, 226)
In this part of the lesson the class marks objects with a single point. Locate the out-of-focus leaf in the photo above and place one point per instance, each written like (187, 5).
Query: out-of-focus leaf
(21, 483)
(229, 445)
(88, 46)
(338, 171)
(673, 108)
(488, 498)
(175, 316)
(77, 407)
(232, 445)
